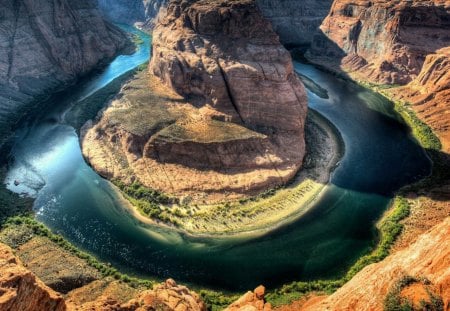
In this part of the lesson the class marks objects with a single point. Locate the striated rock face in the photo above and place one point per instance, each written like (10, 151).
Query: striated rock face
(429, 94)
(46, 44)
(21, 290)
(428, 257)
(224, 110)
(293, 20)
(382, 41)
(140, 12)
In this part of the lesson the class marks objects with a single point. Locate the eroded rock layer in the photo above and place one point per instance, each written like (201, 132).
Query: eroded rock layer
(224, 113)
(293, 20)
(382, 41)
(46, 44)
(428, 259)
(21, 290)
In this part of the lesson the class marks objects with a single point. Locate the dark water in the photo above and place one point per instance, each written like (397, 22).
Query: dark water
(74, 201)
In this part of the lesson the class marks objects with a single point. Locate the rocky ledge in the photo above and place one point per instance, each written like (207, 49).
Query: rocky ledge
(221, 115)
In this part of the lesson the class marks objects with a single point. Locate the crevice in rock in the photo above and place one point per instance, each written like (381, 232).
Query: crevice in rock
(229, 92)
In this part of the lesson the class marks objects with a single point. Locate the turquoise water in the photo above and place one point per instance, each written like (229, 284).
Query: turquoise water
(74, 201)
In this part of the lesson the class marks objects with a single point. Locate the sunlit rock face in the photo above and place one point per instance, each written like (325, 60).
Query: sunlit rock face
(382, 41)
(238, 127)
(47, 44)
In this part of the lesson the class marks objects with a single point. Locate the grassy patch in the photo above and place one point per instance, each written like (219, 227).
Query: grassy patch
(395, 302)
(32, 227)
(216, 301)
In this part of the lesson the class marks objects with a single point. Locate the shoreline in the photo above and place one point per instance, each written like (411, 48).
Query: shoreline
(300, 194)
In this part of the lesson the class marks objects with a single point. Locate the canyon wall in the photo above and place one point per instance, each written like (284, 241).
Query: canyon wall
(21, 290)
(381, 41)
(140, 12)
(295, 21)
(403, 45)
(427, 260)
(46, 44)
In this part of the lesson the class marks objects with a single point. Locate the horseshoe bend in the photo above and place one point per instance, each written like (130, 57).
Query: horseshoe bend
(218, 118)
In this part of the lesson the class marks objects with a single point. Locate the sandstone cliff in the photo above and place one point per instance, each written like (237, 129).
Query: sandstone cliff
(21, 290)
(293, 20)
(429, 94)
(224, 110)
(381, 41)
(46, 44)
(427, 260)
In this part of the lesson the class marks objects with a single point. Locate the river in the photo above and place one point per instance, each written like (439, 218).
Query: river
(70, 198)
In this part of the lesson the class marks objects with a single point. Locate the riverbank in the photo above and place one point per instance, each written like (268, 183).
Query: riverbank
(272, 209)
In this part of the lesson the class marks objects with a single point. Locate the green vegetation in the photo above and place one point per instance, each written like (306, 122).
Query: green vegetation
(394, 301)
(420, 130)
(217, 301)
(137, 40)
(37, 229)
(149, 201)
(390, 228)
(11, 204)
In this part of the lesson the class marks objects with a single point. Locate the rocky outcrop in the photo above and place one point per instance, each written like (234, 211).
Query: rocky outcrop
(21, 290)
(251, 301)
(167, 296)
(47, 44)
(427, 259)
(142, 13)
(381, 41)
(293, 20)
(429, 94)
(224, 111)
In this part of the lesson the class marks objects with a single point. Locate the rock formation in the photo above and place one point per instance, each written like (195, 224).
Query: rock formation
(21, 290)
(251, 301)
(381, 41)
(143, 13)
(429, 94)
(293, 20)
(427, 259)
(238, 127)
(46, 44)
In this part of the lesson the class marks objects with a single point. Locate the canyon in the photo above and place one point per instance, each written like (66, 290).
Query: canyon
(210, 90)
(387, 45)
(219, 135)
(46, 46)
(294, 21)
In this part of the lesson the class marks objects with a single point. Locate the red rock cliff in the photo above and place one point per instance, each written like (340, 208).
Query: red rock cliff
(382, 41)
